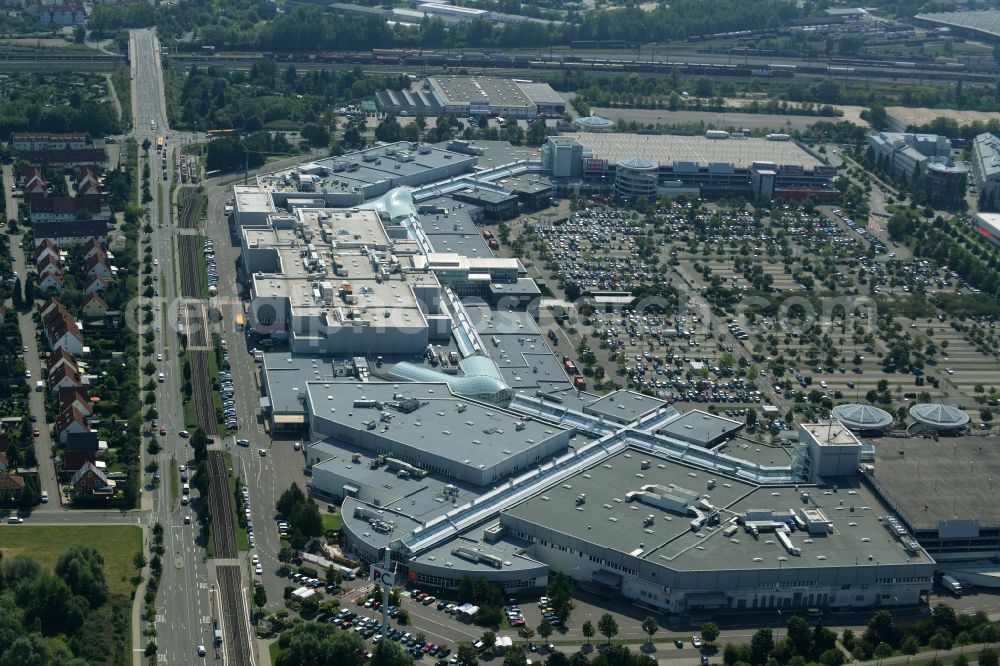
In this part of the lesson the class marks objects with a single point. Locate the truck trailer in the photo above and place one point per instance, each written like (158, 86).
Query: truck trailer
(951, 584)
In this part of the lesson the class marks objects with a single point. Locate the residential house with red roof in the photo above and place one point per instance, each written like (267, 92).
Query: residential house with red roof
(61, 328)
(93, 307)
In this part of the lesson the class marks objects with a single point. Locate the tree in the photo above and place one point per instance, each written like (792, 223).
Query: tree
(558, 659)
(944, 617)
(832, 657)
(285, 554)
(466, 590)
(650, 627)
(259, 597)
(883, 650)
(545, 629)
(588, 630)
(761, 646)
(988, 657)
(467, 654)
(139, 560)
(289, 499)
(608, 626)
(489, 639)
(16, 296)
(315, 644)
(82, 568)
(390, 653)
(910, 645)
(800, 636)
(307, 519)
(709, 632)
(515, 656)
(526, 632)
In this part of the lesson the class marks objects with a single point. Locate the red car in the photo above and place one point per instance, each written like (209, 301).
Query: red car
(517, 623)
(35, 432)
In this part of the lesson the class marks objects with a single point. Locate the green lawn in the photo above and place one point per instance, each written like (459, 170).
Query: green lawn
(332, 521)
(116, 543)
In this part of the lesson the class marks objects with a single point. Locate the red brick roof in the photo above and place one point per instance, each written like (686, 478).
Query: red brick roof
(11, 482)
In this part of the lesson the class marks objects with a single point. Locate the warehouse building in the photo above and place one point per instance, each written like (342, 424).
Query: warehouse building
(975, 24)
(715, 165)
(431, 430)
(942, 492)
(986, 170)
(677, 538)
(474, 96)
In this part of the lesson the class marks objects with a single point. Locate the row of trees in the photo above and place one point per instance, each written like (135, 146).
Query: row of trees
(240, 25)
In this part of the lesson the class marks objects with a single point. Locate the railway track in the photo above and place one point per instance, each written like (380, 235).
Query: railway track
(189, 203)
(236, 634)
(221, 505)
(199, 342)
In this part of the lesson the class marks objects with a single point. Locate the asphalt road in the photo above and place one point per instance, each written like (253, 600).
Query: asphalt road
(34, 362)
(184, 610)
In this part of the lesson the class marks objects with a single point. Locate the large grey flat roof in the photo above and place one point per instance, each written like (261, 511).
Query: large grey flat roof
(448, 426)
(287, 375)
(987, 21)
(672, 543)
(465, 89)
(699, 426)
(986, 150)
(624, 405)
(505, 548)
(514, 341)
(666, 149)
(416, 498)
(766, 455)
(949, 479)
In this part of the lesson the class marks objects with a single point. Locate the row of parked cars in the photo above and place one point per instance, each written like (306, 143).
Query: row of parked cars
(227, 390)
(370, 628)
(250, 537)
(213, 274)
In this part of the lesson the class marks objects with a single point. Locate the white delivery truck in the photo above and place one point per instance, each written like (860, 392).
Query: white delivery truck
(951, 584)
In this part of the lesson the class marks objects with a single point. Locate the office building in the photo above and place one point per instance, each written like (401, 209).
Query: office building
(986, 170)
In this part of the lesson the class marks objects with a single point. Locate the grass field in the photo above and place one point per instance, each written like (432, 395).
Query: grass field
(332, 521)
(116, 543)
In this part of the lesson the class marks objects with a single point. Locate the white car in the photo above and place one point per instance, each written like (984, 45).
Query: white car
(255, 559)
(201, 650)
(696, 641)
(262, 452)
(258, 570)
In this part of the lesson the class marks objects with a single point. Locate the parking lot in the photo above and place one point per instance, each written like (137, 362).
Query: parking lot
(734, 307)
